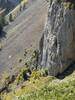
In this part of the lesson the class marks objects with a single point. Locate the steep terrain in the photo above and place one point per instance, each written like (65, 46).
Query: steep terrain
(40, 86)
(58, 47)
(25, 32)
(37, 84)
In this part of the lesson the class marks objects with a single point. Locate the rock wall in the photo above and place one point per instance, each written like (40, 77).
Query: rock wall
(57, 46)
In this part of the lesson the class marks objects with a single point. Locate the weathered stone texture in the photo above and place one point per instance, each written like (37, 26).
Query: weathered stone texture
(58, 47)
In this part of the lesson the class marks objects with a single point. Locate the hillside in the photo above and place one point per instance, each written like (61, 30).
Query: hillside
(24, 33)
(38, 53)
(42, 87)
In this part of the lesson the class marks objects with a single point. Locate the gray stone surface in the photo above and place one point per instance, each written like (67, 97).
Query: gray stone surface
(58, 41)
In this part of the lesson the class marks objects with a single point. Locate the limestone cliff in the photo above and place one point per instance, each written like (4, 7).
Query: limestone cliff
(58, 41)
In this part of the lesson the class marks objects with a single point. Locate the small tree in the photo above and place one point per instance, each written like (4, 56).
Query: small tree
(2, 22)
(1, 27)
(10, 18)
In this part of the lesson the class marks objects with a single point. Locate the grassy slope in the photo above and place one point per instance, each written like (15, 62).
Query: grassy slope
(44, 88)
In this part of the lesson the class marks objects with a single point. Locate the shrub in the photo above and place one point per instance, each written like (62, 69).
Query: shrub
(22, 76)
(36, 74)
(2, 20)
(69, 5)
(1, 28)
(10, 18)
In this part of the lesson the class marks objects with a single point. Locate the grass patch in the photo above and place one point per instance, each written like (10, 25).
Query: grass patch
(40, 86)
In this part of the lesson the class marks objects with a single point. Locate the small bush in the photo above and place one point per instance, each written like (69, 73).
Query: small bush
(1, 46)
(69, 5)
(22, 76)
(10, 18)
(44, 72)
(1, 28)
(36, 74)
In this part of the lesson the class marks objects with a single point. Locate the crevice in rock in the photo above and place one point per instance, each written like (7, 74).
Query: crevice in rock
(67, 72)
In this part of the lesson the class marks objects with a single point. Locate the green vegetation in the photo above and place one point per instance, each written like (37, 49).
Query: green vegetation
(36, 74)
(63, 91)
(34, 84)
(22, 76)
(69, 5)
(10, 18)
(1, 46)
(2, 22)
(40, 86)
(25, 83)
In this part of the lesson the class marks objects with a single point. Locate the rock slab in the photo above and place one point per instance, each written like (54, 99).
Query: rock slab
(57, 46)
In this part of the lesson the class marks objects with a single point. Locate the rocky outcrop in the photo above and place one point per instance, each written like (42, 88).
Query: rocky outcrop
(57, 46)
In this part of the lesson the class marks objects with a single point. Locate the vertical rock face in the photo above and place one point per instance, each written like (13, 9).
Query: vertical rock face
(58, 41)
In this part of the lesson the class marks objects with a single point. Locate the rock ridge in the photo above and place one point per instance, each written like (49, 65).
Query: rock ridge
(57, 46)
